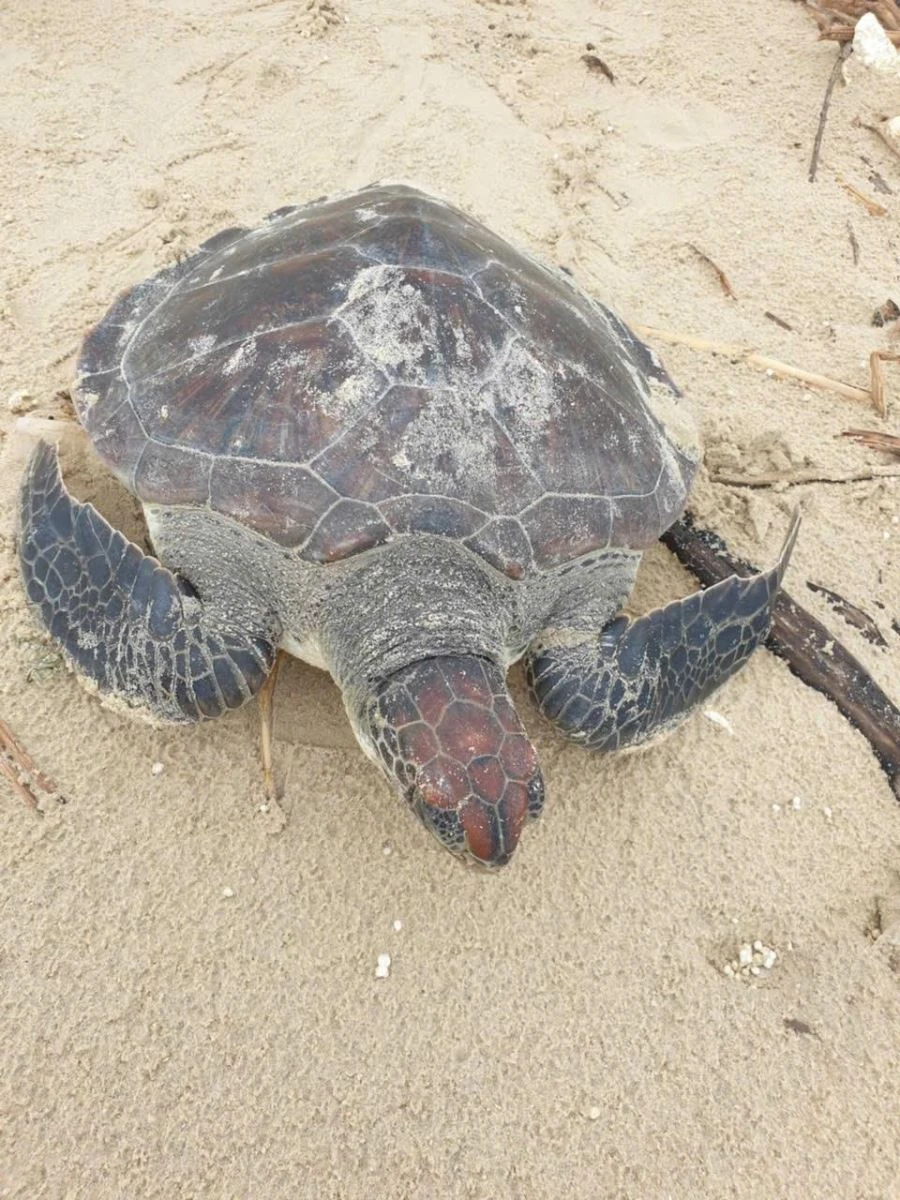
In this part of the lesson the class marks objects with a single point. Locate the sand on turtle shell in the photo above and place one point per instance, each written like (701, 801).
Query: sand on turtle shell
(195, 997)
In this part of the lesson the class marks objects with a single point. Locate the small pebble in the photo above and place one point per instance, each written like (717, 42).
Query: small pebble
(593, 1113)
(397, 926)
(754, 969)
(387, 849)
(745, 956)
(769, 957)
(157, 768)
(227, 893)
(757, 945)
(828, 813)
(776, 808)
(383, 967)
(796, 803)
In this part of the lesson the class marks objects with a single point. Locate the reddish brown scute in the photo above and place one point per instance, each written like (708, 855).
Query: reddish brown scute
(380, 364)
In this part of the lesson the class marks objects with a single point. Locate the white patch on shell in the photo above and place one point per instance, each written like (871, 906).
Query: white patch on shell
(201, 346)
(242, 357)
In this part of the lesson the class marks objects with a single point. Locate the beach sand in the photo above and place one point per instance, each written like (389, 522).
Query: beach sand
(188, 987)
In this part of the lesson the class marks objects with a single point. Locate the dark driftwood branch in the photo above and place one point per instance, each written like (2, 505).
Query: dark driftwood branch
(810, 650)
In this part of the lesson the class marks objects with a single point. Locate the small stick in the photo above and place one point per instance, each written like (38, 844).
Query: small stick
(872, 207)
(876, 358)
(888, 443)
(723, 278)
(876, 372)
(844, 33)
(744, 354)
(804, 475)
(854, 244)
(15, 761)
(778, 321)
(810, 650)
(267, 713)
(823, 112)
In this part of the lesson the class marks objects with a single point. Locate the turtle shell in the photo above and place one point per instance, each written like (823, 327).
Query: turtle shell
(382, 364)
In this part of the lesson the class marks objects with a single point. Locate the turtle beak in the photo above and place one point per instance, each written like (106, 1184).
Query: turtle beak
(451, 741)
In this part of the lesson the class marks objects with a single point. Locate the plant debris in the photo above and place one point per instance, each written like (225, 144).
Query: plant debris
(852, 615)
(837, 18)
(723, 278)
(874, 439)
(885, 313)
(594, 62)
(19, 768)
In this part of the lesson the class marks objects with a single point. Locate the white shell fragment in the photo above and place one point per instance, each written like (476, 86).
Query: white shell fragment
(227, 893)
(397, 926)
(873, 47)
(157, 768)
(718, 719)
(754, 961)
(383, 966)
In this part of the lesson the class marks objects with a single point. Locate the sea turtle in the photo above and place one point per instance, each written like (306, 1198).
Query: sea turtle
(374, 434)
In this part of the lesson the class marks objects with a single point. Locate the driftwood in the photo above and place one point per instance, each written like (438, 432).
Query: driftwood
(812, 652)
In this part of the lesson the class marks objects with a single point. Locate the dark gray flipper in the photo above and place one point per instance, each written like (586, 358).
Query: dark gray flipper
(639, 678)
(124, 621)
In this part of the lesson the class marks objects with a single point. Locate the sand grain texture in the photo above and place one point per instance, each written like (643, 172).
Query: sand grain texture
(188, 984)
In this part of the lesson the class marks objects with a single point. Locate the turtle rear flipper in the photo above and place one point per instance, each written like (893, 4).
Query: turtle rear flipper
(637, 679)
(123, 621)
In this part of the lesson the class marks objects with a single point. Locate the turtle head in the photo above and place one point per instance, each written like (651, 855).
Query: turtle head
(448, 737)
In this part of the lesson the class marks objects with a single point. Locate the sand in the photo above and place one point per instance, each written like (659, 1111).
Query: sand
(190, 1007)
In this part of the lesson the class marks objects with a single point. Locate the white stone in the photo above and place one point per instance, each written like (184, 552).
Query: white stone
(397, 926)
(891, 130)
(157, 768)
(872, 46)
(227, 893)
(769, 959)
(745, 956)
(383, 966)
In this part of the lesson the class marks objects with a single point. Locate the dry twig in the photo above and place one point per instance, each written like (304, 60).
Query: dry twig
(778, 321)
(887, 443)
(823, 112)
(723, 278)
(876, 369)
(20, 769)
(872, 207)
(804, 475)
(745, 354)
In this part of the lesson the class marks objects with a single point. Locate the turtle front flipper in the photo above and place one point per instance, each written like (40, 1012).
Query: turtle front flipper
(126, 623)
(638, 679)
